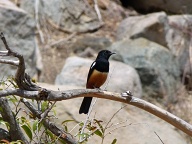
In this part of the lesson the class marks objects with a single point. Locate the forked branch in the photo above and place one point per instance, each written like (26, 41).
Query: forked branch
(29, 90)
(22, 79)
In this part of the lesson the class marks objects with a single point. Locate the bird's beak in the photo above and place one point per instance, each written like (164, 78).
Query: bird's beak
(113, 53)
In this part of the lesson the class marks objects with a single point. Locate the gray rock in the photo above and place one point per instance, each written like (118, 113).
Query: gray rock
(133, 125)
(178, 38)
(19, 30)
(121, 77)
(29, 6)
(171, 6)
(152, 26)
(96, 43)
(71, 16)
(157, 67)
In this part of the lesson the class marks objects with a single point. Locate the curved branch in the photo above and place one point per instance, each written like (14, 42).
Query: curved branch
(51, 126)
(11, 62)
(22, 79)
(35, 92)
(15, 130)
(69, 94)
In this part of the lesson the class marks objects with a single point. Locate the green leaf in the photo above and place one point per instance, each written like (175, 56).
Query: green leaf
(114, 141)
(44, 106)
(5, 124)
(35, 125)
(17, 142)
(27, 131)
(66, 121)
(81, 124)
(99, 133)
(1, 109)
(39, 126)
(54, 111)
(99, 124)
(50, 134)
(65, 128)
(23, 119)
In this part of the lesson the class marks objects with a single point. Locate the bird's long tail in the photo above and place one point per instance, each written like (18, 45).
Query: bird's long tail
(85, 105)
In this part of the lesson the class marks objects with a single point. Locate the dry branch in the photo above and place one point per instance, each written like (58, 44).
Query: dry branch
(49, 125)
(15, 130)
(69, 94)
(29, 90)
(22, 79)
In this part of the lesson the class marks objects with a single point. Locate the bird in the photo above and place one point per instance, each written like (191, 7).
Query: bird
(96, 77)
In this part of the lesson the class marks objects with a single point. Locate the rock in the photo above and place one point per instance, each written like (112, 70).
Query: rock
(19, 30)
(29, 6)
(96, 43)
(71, 16)
(170, 6)
(152, 26)
(157, 67)
(135, 125)
(178, 38)
(121, 77)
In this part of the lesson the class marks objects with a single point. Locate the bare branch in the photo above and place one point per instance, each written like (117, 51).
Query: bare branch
(19, 92)
(45, 113)
(69, 94)
(4, 135)
(97, 11)
(3, 53)
(37, 21)
(62, 40)
(15, 131)
(49, 125)
(22, 79)
(35, 92)
(11, 62)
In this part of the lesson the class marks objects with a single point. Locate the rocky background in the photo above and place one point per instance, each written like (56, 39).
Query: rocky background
(152, 38)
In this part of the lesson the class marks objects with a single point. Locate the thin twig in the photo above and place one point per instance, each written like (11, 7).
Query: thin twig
(15, 130)
(63, 40)
(45, 113)
(91, 108)
(11, 62)
(37, 21)
(114, 116)
(49, 125)
(105, 128)
(159, 137)
(190, 54)
(97, 11)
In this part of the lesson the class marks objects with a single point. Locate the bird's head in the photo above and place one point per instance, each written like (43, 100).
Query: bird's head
(105, 54)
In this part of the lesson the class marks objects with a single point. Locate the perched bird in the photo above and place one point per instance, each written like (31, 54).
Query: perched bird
(96, 77)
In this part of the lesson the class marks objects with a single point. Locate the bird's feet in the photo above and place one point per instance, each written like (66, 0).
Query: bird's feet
(127, 94)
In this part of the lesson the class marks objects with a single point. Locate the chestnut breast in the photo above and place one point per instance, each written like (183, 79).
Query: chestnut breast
(96, 79)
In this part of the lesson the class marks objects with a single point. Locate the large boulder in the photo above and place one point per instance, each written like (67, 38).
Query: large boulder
(130, 124)
(70, 16)
(96, 43)
(178, 38)
(121, 77)
(19, 30)
(152, 26)
(157, 67)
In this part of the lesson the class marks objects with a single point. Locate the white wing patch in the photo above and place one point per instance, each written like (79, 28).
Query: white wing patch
(93, 64)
